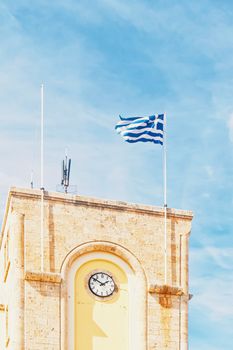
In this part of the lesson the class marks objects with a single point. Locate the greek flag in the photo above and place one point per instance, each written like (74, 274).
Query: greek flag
(142, 129)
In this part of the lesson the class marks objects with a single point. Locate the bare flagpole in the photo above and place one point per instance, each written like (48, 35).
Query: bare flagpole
(42, 180)
(165, 195)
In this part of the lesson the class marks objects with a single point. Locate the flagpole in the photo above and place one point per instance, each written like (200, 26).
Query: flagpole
(165, 195)
(42, 180)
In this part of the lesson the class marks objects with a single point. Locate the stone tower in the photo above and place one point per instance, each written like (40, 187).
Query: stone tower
(102, 285)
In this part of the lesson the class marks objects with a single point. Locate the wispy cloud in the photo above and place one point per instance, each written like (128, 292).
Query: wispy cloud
(214, 297)
(212, 282)
(221, 257)
(133, 58)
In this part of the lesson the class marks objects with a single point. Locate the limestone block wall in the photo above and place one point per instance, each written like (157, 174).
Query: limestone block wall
(35, 298)
(12, 283)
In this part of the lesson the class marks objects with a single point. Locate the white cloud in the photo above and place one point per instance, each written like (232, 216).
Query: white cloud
(211, 281)
(181, 59)
(221, 257)
(142, 17)
(214, 296)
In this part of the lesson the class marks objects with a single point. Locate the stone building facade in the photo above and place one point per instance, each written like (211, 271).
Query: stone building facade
(101, 285)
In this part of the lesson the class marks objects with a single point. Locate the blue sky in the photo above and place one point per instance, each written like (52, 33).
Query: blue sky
(102, 58)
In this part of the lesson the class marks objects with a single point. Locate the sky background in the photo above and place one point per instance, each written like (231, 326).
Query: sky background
(98, 59)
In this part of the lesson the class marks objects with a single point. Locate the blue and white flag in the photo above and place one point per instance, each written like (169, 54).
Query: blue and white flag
(142, 129)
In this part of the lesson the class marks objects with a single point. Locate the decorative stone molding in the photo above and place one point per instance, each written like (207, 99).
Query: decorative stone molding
(43, 277)
(94, 202)
(165, 294)
(165, 290)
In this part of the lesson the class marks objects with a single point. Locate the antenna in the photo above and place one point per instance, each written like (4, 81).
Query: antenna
(32, 183)
(65, 176)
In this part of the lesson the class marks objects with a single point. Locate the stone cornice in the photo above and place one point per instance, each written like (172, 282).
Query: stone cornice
(47, 277)
(94, 202)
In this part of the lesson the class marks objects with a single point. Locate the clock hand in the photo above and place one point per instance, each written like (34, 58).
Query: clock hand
(95, 279)
(103, 284)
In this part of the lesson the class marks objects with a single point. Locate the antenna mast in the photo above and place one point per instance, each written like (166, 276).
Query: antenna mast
(42, 181)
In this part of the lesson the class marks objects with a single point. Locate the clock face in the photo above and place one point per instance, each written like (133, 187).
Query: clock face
(101, 284)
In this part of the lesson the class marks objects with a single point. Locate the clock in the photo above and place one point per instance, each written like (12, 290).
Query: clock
(101, 284)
